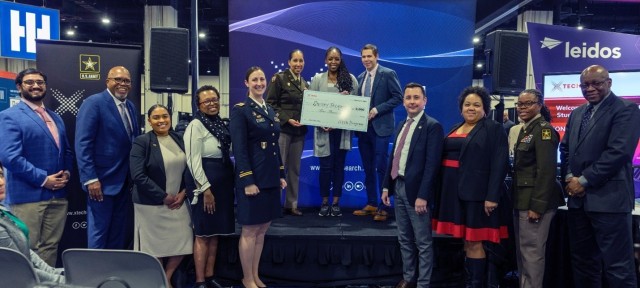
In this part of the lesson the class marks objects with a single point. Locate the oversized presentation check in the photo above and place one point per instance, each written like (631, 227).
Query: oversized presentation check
(334, 110)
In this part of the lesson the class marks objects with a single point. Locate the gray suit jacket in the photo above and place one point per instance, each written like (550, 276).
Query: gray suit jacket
(603, 155)
(12, 237)
(321, 137)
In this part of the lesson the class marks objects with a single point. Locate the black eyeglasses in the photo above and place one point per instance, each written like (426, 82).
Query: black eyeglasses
(525, 104)
(119, 80)
(32, 82)
(210, 101)
(594, 84)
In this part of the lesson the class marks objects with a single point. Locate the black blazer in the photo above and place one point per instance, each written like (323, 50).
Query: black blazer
(603, 155)
(484, 159)
(147, 169)
(423, 160)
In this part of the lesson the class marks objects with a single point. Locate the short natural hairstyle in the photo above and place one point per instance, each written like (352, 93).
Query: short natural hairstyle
(29, 71)
(371, 47)
(205, 88)
(415, 85)
(480, 91)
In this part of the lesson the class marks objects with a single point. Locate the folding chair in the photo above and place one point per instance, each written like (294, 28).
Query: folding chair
(112, 268)
(16, 270)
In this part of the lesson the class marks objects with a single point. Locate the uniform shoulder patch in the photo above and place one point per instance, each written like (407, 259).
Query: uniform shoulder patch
(546, 133)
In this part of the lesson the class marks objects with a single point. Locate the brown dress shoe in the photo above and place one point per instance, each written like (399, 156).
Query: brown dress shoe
(292, 211)
(367, 210)
(405, 284)
(381, 215)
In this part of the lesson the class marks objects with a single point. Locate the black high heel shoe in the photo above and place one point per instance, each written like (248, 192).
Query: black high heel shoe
(212, 283)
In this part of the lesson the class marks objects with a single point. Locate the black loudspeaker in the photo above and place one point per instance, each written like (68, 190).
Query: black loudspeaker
(169, 60)
(506, 62)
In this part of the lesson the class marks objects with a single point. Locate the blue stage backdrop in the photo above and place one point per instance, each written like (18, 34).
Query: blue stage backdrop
(428, 42)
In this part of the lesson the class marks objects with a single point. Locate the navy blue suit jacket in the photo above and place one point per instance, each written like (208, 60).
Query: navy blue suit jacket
(147, 169)
(423, 161)
(102, 144)
(603, 155)
(30, 154)
(254, 134)
(386, 95)
(483, 161)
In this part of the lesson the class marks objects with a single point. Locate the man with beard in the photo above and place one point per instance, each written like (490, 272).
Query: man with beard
(105, 128)
(36, 153)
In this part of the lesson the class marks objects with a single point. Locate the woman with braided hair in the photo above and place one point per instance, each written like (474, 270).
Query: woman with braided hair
(331, 145)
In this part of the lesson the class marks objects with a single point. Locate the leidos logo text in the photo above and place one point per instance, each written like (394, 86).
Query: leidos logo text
(584, 51)
(594, 51)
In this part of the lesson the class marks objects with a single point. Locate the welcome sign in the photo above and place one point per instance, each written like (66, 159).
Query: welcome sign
(21, 25)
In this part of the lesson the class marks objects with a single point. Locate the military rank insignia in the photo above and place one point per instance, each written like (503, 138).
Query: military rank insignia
(546, 134)
(263, 145)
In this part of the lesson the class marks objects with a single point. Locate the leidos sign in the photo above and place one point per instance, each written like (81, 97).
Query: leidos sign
(21, 25)
(584, 51)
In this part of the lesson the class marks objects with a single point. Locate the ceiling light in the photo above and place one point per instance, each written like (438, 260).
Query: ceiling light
(106, 20)
(476, 40)
(580, 27)
(202, 35)
(71, 32)
(479, 65)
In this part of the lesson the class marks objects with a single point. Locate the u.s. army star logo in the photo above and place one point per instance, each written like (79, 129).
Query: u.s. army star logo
(89, 67)
(546, 134)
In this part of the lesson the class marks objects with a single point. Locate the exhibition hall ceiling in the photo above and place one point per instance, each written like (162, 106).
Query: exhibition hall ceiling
(126, 19)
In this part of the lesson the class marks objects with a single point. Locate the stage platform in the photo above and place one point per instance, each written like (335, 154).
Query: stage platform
(314, 251)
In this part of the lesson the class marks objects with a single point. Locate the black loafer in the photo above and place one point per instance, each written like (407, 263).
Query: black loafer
(211, 283)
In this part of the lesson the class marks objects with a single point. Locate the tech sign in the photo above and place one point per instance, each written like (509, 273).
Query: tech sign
(565, 49)
(21, 25)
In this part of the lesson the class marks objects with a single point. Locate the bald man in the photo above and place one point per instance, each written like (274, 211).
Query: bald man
(105, 128)
(596, 154)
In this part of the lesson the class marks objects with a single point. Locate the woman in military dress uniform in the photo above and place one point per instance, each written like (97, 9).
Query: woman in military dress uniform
(536, 194)
(285, 96)
(259, 172)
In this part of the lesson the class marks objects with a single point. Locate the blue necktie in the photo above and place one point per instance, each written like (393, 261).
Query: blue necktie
(585, 120)
(367, 86)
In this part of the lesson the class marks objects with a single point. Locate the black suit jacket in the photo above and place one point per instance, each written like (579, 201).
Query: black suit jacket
(147, 169)
(484, 159)
(423, 160)
(603, 155)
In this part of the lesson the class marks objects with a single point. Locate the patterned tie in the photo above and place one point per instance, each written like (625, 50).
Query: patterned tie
(125, 120)
(585, 120)
(395, 166)
(367, 86)
(52, 128)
